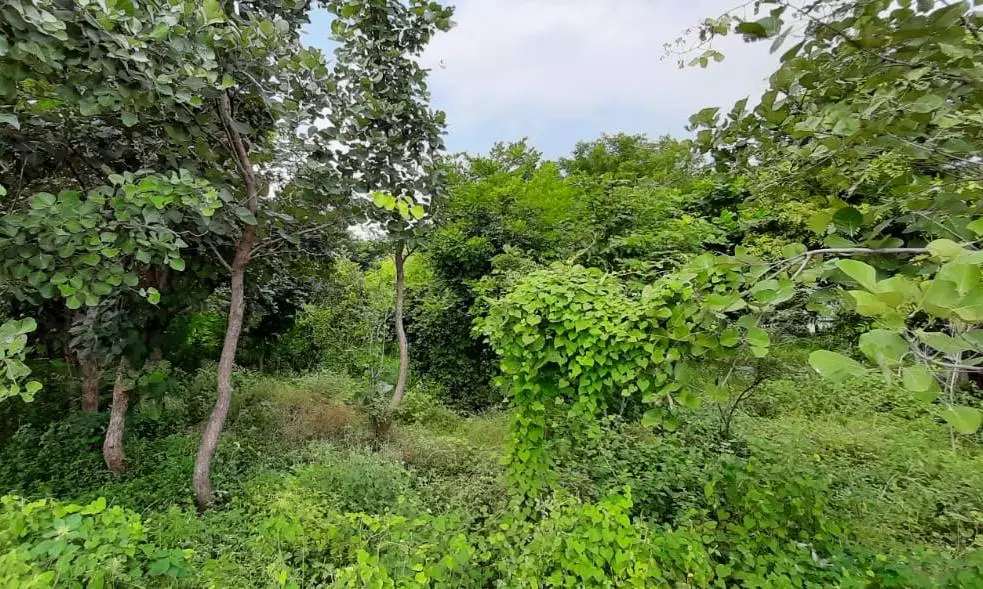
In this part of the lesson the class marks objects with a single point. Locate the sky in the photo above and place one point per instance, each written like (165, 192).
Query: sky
(563, 71)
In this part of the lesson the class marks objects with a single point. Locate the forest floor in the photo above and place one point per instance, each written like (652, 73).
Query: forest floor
(871, 459)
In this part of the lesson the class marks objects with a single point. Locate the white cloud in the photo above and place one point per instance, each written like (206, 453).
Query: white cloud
(585, 63)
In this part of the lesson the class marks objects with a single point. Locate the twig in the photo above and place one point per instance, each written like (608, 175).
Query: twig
(219, 257)
(805, 257)
(273, 241)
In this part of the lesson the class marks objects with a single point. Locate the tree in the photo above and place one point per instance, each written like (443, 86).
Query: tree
(381, 117)
(74, 111)
(270, 83)
(873, 120)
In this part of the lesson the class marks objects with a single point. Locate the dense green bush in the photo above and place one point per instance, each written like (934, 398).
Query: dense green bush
(596, 545)
(442, 347)
(61, 459)
(49, 544)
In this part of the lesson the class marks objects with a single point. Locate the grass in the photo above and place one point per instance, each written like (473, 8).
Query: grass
(299, 448)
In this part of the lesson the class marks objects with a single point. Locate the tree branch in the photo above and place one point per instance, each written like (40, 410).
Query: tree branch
(852, 251)
(218, 256)
(239, 151)
(275, 240)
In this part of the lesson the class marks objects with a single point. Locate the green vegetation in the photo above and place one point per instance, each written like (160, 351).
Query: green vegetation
(746, 359)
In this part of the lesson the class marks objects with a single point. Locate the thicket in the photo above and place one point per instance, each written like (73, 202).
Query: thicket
(746, 359)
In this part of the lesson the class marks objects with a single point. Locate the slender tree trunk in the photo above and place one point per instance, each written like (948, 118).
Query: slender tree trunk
(112, 448)
(404, 357)
(237, 308)
(91, 376)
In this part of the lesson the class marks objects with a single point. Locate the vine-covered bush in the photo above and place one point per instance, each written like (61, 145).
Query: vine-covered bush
(574, 344)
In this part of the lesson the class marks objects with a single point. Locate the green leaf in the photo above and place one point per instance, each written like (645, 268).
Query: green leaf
(943, 343)
(42, 200)
(883, 347)
(160, 566)
(964, 276)
(945, 249)
(758, 337)
(970, 308)
(212, 11)
(246, 216)
(965, 420)
(927, 103)
(153, 296)
(417, 211)
(819, 222)
(940, 298)
(129, 119)
(176, 264)
(793, 250)
(976, 226)
(868, 304)
(751, 29)
(848, 220)
(864, 274)
(10, 119)
(918, 379)
(834, 366)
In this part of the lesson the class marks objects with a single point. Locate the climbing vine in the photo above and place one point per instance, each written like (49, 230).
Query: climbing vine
(574, 343)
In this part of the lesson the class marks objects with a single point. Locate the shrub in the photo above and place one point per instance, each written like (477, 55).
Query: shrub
(596, 545)
(340, 480)
(46, 544)
(451, 474)
(897, 480)
(665, 473)
(362, 550)
(61, 459)
(439, 330)
(422, 405)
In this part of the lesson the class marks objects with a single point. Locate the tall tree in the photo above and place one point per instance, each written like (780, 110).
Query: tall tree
(270, 84)
(389, 137)
(82, 122)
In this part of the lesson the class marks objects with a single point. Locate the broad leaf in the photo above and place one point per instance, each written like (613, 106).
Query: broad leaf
(965, 420)
(862, 273)
(883, 347)
(834, 366)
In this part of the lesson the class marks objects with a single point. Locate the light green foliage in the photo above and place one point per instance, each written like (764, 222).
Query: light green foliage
(13, 346)
(392, 138)
(49, 544)
(597, 545)
(875, 139)
(575, 344)
(347, 330)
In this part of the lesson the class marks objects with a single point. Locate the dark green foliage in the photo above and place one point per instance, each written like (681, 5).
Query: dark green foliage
(439, 330)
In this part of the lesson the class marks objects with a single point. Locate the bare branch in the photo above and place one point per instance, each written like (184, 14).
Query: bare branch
(276, 240)
(218, 256)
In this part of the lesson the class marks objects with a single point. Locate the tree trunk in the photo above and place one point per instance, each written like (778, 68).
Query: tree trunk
(404, 356)
(237, 308)
(112, 448)
(91, 376)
